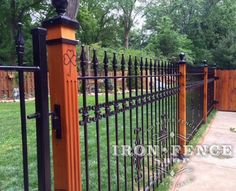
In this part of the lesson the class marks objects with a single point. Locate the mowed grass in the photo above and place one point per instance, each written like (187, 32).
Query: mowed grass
(11, 173)
(11, 167)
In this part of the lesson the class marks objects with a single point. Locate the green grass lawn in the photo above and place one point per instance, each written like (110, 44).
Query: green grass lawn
(11, 177)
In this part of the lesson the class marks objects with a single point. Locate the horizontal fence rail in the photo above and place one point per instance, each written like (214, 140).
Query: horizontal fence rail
(143, 112)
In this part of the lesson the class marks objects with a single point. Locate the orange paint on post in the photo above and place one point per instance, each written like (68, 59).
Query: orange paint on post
(61, 32)
(64, 92)
(205, 112)
(215, 87)
(182, 107)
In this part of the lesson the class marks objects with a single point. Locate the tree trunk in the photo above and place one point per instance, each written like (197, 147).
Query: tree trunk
(126, 38)
(73, 8)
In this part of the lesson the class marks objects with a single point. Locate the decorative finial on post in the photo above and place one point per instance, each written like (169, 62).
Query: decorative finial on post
(215, 65)
(205, 63)
(60, 6)
(19, 40)
(182, 58)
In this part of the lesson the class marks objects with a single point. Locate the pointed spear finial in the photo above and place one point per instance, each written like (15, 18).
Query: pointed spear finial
(105, 61)
(19, 39)
(95, 59)
(123, 62)
(114, 61)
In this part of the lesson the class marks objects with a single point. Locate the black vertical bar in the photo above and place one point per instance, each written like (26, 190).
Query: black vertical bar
(85, 115)
(130, 118)
(142, 118)
(166, 114)
(156, 121)
(177, 102)
(42, 108)
(171, 109)
(159, 116)
(163, 110)
(147, 121)
(20, 55)
(114, 63)
(169, 114)
(151, 118)
(97, 116)
(137, 120)
(124, 114)
(107, 120)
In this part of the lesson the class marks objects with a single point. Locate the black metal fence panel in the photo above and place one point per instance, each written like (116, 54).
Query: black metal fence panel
(117, 122)
(41, 114)
(195, 96)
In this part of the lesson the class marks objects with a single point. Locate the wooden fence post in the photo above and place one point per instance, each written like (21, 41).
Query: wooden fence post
(182, 105)
(205, 109)
(215, 86)
(64, 99)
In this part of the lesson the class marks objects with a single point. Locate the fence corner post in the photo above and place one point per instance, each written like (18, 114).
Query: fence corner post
(205, 104)
(182, 131)
(61, 42)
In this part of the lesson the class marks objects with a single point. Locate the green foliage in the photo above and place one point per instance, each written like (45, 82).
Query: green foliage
(204, 30)
(12, 12)
(167, 42)
(225, 52)
(206, 23)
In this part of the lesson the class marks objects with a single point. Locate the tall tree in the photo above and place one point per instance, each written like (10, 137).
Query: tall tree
(128, 11)
(12, 12)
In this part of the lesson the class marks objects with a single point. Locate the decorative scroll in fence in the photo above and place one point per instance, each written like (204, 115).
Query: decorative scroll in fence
(145, 113)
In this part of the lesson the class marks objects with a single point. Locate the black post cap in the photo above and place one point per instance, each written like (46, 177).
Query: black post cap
(205, 63)
(60, 6)
(182, 58)
(215, 66)
(61, 19)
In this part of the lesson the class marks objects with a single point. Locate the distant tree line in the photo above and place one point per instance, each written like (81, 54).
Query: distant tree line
(204, 30)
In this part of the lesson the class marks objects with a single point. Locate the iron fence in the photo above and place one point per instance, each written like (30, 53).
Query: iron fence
(195, 96)
(145, 113)
(41, 107)
(129, 117)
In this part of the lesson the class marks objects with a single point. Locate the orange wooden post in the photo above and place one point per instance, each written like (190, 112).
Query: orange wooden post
(205, 110)
(215, 86)
(64, 99)
(182, 105)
